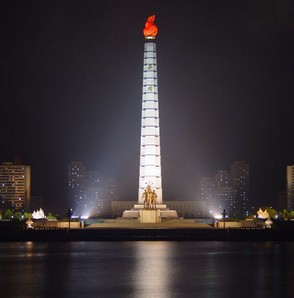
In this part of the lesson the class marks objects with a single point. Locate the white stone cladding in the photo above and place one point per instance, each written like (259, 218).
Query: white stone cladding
(150, 158)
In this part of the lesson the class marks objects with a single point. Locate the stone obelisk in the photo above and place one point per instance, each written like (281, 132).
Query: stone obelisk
(150, 158)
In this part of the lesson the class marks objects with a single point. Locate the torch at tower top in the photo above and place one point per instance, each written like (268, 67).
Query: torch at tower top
(150, 29)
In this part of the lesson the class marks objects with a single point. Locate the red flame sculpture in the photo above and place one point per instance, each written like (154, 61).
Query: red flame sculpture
(150, 29)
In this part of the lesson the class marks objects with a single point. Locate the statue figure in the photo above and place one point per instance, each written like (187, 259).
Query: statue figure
(154, 199)
(149, 191)
(149, 197)
(145, 197)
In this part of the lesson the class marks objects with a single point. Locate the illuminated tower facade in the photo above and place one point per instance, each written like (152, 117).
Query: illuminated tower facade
(15, 187)
(150, 158)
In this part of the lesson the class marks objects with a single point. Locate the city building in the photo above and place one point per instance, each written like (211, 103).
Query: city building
(90, 194)
(240, 183)
(94, 204)
(227, 190)
(94, 192)
(189, 209)
(207, 193)
(76, 186)
(225, 194)
(290, 187)
(15, 187)
(111, 193)
(118, 207)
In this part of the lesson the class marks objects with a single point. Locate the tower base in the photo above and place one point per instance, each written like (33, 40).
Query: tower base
(164, 212)
(149, 216)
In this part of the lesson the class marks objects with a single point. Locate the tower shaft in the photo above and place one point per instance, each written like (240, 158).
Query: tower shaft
(150, 158)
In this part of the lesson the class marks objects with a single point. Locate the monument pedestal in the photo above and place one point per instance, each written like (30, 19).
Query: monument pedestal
(163, 212)
(149, 216)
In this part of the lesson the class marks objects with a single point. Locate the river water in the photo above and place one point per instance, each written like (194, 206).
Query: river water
(147, 269)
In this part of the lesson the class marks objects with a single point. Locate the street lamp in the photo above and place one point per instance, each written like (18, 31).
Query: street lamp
(69, 214)
(224, 217)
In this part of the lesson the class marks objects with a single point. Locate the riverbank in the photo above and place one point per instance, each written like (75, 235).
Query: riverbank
(146, 234)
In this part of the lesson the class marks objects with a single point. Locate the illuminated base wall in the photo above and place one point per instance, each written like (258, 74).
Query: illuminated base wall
(149, 216)
(150, 158)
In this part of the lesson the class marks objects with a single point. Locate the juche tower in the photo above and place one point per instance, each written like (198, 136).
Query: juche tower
(150, 158)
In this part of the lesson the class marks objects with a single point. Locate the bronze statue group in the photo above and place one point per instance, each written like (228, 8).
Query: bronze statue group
(149, 197)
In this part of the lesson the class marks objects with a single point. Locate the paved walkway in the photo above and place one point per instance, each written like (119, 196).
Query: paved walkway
(133, 223)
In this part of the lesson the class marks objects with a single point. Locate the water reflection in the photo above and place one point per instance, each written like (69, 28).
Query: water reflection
(153, 272)
(146, 269)
(272, 274)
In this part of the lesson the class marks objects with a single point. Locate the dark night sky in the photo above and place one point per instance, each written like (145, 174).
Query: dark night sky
(72, 79)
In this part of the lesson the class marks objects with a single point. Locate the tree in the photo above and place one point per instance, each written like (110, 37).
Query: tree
(284, 214)
(291, 214)
(27, 215)
(18, 215)
(271, 212)
(51, 216)
(8, 214)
